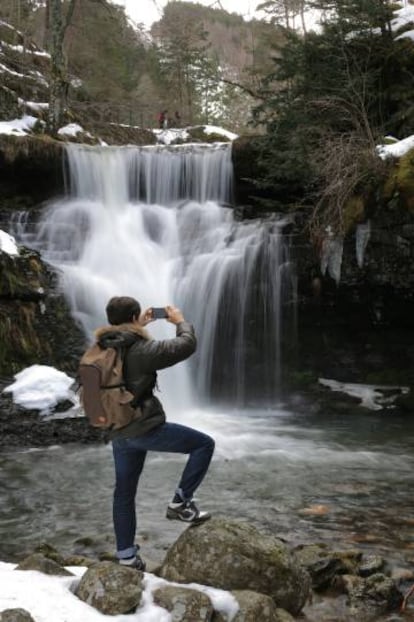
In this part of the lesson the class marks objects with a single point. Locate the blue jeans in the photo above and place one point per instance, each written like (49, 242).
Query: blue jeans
(129, 457)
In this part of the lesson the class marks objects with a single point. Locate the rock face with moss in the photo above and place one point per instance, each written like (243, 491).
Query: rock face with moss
(354, 323)
(235, 556)
(35, 321)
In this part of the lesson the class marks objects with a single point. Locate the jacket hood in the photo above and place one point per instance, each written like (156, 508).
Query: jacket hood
(120, 335)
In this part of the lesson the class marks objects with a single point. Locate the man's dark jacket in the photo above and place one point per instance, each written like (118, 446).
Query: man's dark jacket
(143, 356)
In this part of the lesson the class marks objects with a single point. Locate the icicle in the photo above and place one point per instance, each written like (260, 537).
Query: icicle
(363, 234)
(331, 260)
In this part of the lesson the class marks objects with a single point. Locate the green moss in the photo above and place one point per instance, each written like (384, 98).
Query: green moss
(20, 345)
(353, 213)
(389, 187)
(405, 179)
(395, 377)
(13, 147)
(302, 378)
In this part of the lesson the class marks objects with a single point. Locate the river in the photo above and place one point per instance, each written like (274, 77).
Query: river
(342, 480)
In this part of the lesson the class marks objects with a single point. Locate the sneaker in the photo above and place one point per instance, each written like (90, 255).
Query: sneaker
(186, 511)
(133, 562)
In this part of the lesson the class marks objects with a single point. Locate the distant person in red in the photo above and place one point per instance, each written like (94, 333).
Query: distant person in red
(162, 119)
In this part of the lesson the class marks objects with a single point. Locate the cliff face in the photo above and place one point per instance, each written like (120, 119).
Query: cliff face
(360, 328)
(355, 313)
(35, 322)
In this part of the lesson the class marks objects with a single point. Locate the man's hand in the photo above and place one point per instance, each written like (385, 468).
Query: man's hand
(146, 317)
(174, 315)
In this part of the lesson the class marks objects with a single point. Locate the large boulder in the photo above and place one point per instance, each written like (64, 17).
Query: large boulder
(235, 556)
(111, 588)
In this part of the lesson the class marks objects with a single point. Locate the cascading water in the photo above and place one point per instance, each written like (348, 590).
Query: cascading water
(150, 223)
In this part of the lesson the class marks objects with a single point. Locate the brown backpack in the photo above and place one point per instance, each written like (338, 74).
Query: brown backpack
(103, 395)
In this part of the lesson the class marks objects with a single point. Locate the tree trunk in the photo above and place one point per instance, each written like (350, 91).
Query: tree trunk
(58, 78)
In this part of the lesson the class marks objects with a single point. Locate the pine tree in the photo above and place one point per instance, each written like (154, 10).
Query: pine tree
(330, 98)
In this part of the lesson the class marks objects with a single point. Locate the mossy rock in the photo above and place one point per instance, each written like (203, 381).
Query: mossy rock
(198, 133)
(35, 322)
(353, 212)
(15, 148)
(405, 179)
(115, 134)
(9, 105)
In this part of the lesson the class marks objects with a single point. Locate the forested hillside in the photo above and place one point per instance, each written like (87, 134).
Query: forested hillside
(193, 62)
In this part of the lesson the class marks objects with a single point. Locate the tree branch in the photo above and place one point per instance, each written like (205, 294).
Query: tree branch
(242, 87)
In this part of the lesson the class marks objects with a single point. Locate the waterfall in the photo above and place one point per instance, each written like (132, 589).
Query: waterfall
(152, 223)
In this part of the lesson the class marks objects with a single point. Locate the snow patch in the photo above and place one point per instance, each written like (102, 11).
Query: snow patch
(397, 149)
(40, 594)
(166, 137)
(171, 135)
(41, 387)
(18, 127)
(72, 129)
(8, 244)
(212, 129)
(403, 17)
(22, 50)
(374, 397)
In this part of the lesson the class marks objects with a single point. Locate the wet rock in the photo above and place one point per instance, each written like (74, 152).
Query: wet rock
(235, 556)
(372, 597)
(15, 615)
(39, 562)
(253, 607)
(322, 564)
(111, 588)
(95, 547)
(184, 605)
(371, 564)
(49, 551)
(23, 428)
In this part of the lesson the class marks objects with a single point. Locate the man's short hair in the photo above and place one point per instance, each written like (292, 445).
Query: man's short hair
(122, 309)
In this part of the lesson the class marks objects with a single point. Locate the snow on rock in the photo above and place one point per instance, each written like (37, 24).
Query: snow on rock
(18, 127)
(41, 594)
(374, 397)
(396, 149)
(25, 50)
(8, 244)
(403, 17)
(41, 387)
(70, 130)
(212, 129)
(173, 135)
(166, 137)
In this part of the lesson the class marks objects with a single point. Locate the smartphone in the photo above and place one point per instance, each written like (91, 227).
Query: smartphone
(159, 313)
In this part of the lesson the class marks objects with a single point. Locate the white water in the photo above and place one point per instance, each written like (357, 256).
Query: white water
(149, 223)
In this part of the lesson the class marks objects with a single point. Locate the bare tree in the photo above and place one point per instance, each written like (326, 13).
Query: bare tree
(58, 24)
